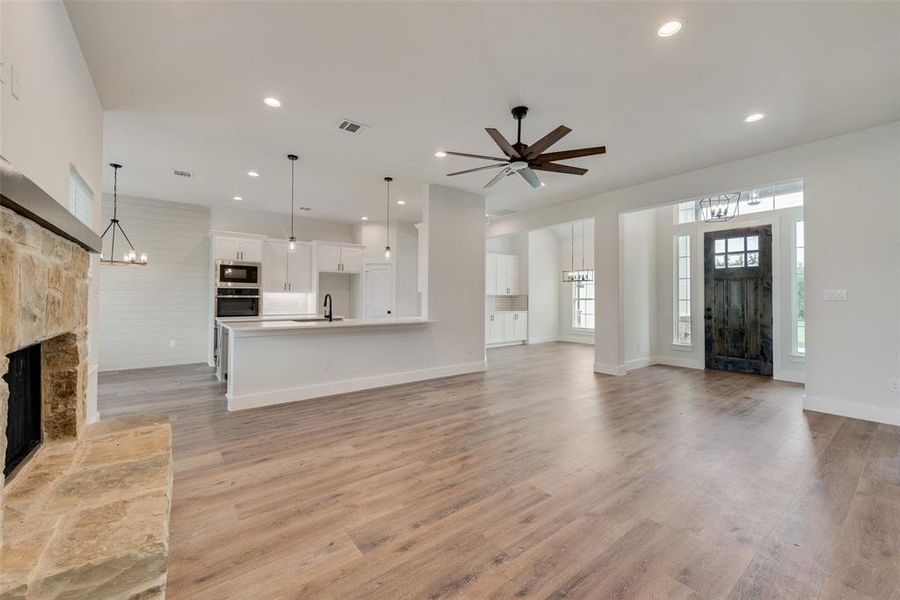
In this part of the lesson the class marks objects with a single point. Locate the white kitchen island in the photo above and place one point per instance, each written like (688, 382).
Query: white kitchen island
(272, 362)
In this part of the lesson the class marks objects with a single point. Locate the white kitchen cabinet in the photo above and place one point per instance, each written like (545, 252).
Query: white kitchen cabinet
(505, 327)
(299, 269)
(502, 275)
(490, 271)
(285, 270)
(274, 267)
(236, 248)
(338, 259)
(520, 326)
(494, 328)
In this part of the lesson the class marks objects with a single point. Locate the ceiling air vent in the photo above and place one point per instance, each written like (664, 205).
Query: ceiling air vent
(352, 127)
(187, 174)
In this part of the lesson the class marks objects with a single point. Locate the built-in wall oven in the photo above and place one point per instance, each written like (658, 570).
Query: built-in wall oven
(237, 302)
(235, 274)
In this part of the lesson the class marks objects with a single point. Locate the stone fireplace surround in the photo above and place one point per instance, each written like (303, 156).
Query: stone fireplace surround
(87, 514)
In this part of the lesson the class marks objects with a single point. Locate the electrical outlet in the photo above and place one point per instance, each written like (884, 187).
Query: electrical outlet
(895, 386)
(171, 343)
(326, 364)
(835, 295)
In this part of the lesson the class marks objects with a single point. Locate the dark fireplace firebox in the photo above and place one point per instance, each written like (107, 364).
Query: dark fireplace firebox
(23, 425)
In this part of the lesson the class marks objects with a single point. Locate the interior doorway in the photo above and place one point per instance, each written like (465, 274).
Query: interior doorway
(738, 294)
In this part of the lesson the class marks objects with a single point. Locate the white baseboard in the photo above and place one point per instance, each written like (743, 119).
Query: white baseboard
(791, 376)
(637, 363)
(674, 361)
(307, 392)
(543, 340)
(842, 408)
(577, 339)
(609, 369)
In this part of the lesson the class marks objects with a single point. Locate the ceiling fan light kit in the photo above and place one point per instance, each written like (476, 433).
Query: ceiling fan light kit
(523, 159)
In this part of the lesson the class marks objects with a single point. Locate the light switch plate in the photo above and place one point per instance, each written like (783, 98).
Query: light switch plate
(835, 295)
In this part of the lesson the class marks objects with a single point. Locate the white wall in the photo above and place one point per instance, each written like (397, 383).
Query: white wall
(56, 122)
(144, 309)
(454, 221)
(278, 225)
(543, 286)
(852, 221)
(639, 262)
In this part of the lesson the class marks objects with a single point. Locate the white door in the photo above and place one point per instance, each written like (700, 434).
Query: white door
(520, 332)
(227, 248)
(379, 290)
(251, 250)
(490, 283)
(351, 260)
(299, 269)
(328, 259)
(274, 267)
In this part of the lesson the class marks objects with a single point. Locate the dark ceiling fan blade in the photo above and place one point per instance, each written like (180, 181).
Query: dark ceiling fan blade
(558, 168)
(503, 173)
(501, 141)
(547, 141)
(566, 154)
(473, 170)
(531, 177)
(476, 156)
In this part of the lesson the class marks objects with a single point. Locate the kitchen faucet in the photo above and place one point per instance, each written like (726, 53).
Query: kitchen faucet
(329, 312)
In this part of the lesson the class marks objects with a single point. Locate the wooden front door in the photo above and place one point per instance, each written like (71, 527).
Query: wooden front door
(738, 314)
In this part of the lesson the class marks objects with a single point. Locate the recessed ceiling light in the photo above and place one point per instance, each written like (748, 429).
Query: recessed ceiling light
(401, 202)
(238, 198)
(755, 117)
(440, 154)
(364, 218)
(252, 173)
(669, 29)
(273, 102)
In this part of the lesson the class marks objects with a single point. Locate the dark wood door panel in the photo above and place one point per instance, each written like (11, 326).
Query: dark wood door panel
(738, 314)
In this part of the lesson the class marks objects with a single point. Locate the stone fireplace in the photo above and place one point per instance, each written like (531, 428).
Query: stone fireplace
(85, 511)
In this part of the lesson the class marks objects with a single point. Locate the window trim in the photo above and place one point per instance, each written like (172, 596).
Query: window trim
(75, 174)
(795, 352)
(676, 292)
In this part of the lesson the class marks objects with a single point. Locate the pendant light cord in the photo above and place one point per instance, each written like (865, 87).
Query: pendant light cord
(582, 245)
(292, 198)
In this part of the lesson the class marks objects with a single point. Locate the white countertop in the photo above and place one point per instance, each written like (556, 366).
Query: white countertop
(289, 325)
(224, 320)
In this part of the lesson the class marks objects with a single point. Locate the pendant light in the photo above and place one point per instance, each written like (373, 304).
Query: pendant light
(387, 248)
(292, 241)
(720, 208)
(131, 257)
(573, 275)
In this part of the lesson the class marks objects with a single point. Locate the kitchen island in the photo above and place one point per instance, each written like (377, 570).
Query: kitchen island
(277, 361)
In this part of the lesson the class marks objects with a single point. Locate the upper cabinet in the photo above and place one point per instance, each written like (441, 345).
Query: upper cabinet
(332, 258)
(502, 275)
(237, 248)
(286, 270)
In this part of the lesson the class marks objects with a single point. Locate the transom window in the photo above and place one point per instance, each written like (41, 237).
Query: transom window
(756, 200)
(737, 252)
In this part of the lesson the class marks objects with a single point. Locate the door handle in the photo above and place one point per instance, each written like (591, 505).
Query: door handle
(389, 312)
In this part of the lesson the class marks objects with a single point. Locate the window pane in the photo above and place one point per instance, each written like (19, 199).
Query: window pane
(753, 259)
(720, 261)
(789, 200)
(684, 266)
(720, 246)
(753, 242)
(735, 260)
(684, 289)
(799, 291)
(798, 228)
(800, 252)
(736, 244)
(683, 245)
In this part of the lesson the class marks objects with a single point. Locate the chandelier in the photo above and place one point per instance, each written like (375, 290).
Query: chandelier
(723, 207)
(130, 257)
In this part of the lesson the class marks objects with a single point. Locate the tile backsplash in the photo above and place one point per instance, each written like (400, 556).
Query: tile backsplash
(496, 303)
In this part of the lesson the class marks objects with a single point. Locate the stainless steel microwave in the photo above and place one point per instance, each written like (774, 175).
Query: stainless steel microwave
(231, 273)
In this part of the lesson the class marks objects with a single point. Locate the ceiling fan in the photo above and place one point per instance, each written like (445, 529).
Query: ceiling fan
(524, 159)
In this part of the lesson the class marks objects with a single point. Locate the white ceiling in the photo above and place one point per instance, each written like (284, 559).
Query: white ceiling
(183, 82)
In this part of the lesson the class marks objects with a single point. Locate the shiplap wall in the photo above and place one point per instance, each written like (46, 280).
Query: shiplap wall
(143, 309)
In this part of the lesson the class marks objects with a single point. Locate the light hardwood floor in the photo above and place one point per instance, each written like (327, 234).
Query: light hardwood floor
(538, 479)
